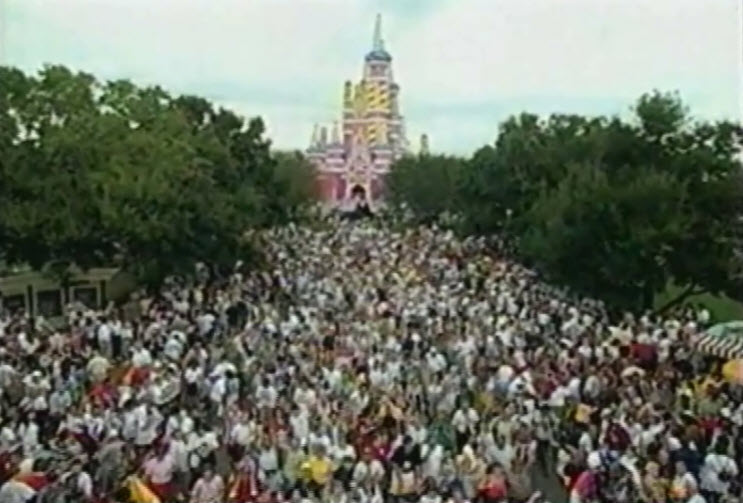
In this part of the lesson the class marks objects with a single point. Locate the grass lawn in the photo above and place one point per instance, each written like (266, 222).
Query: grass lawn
(722, 308)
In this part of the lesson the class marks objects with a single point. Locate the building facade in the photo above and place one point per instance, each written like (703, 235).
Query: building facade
(37, 293)
(352, 162)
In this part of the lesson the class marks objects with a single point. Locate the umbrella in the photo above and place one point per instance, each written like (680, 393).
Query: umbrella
(724, 340)
(723, 329)
(733, 371)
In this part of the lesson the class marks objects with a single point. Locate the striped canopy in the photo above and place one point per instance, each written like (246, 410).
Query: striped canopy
(724, 340)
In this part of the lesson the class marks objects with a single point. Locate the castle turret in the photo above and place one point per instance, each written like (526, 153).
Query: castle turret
(314, 138)
(335, 136)
(424, 145)
(347, 95)
(334, 151)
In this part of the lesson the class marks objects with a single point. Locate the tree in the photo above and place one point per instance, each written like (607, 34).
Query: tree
(275, 184)
(293, 181)
(97, 173)
(427, 184)
(43, 211)
(606, 240)
(641, 202)
(704, 157)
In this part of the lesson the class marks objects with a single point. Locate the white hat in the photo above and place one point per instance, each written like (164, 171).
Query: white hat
(594, 461)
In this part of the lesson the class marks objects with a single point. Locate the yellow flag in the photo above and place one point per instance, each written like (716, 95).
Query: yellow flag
(140, 493)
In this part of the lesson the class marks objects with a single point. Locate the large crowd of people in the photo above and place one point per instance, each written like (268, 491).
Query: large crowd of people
(365, 364)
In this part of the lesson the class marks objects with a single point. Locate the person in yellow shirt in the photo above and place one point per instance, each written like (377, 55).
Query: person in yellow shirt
(318, 470)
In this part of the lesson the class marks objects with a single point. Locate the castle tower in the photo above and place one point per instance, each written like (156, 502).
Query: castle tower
(372, 134)
(424, 149)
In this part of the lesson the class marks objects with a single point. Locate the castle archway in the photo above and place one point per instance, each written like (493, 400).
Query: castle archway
(358, 193)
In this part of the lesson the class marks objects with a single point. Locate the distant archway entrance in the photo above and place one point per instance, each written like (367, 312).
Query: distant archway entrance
(360, 201)
(358, 194)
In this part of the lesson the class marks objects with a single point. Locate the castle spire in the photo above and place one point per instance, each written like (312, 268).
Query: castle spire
(335, 136)
(424, 145)
(378, 43)
(378, 53)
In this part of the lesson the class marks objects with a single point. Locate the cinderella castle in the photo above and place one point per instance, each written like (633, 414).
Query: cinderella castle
(352, 163)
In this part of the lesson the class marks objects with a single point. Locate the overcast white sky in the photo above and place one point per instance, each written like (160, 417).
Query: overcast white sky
(463, 65)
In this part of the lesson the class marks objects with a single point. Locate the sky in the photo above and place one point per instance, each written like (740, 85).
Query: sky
(463, 65)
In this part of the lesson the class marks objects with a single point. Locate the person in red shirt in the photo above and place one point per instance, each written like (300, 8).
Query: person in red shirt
(493, 488)
(103, 394)
(586, 486)
(35, 480)
(646, 355)
(381, 448)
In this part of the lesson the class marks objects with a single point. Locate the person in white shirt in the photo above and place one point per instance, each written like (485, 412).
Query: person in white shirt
(205, 323)
(178, 450)
(185, 423)
(147, 422)
(174, 346)
(208, 489)
(430, 495)
(266, 395)
(718, 471)
(127, 336)
(202, 445)
(242, 435)
(13, 491)
(29, 433)
(268, 466)
(299, 421)
(694, 496)
(433, 462)
(104, 338)
(502, 452)
(464, 422)
(342, 450)
(305, 396)
(98, 367)
(217, 392)
(29, 344)
(83, 482)
(141, 357)
(193, 375)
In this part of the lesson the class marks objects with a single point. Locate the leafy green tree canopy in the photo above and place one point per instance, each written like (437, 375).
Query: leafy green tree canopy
(426, 184)
(96, 172)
